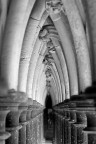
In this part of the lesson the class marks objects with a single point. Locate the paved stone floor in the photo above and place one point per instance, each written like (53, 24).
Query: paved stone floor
(48, 135)
(48, 128)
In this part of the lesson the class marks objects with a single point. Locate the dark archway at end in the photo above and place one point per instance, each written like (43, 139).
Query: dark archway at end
(48, 102)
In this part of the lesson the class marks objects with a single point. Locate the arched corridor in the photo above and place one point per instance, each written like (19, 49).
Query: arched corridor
(47, 71)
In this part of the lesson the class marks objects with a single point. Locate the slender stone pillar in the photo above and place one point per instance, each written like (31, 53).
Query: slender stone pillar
(54, 127)
(86, 117)
(79, 117)
(13, 127)
(37, 111)
(3, 134)
(57, 128)
(59, 124)
(71, 124)
(39, 129)
(66, 118)
(56, 116)
(23, 122)
(68, 132)
(62, 114)
(90, 100)
(34, 130)
(66, 123)
(90, 130)
(79, 126)
(12, 119)
(28, 118)
(60, 118)
(37, 125)
(90, 109)
(63, 126)
(42, 128)
(64, 111)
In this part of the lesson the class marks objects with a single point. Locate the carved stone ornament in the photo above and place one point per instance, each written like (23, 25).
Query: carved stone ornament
(50, 46)
(48, 73)
(46, 62)
(48, 84)
(54, 6)
(43, 35)
(49, 57)
(48, 32)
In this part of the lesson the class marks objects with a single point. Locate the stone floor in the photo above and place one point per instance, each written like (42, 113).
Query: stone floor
(48, 136)
(48, 128)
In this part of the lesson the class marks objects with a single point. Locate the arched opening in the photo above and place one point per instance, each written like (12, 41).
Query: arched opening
(48, 102)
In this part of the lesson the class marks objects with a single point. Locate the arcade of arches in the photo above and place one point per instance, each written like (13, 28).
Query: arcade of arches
(47, 71)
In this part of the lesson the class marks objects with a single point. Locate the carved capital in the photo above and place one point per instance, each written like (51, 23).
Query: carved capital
(48, 32)
(46, 62)
(48, 73)
(53, 6)
(50, 47)
(48, 59)
(48, 83)
(43, 35)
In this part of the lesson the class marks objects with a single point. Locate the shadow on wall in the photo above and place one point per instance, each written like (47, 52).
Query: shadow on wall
(48, 119)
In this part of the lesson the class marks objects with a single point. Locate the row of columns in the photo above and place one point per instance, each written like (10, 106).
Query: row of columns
(21, 119)
(75, 119)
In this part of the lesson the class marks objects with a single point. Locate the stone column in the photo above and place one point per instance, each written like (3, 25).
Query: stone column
(79, 117)
(23, 122)
(86, 117)
(57, 128)
(54, 127)
(39, 132)
(71, 123)
(14, 99)
(90, 110)
(28, 118)
(13, 127)
(60, 121)
(59, 140)
(42, 128)
(79, 126)
(63, 126)
(3, 113)
(39, 129)
(90, 130)
(68, 132)
(37, 110)
(34, 135)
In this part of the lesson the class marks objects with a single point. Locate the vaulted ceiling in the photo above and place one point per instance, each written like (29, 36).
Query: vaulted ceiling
(48, 47)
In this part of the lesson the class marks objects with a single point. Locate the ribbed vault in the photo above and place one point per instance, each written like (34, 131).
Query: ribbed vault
(46, 48)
